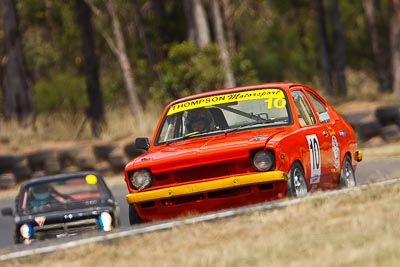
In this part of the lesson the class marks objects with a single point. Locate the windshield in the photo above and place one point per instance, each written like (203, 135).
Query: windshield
(225, 112)
(61, 191)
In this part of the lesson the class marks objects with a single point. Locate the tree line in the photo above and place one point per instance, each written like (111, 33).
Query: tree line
(82, 55)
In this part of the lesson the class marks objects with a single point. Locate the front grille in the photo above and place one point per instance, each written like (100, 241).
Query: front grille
(68, 228)
(201, 172)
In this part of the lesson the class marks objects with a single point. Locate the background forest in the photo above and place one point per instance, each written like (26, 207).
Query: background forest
(85, 57)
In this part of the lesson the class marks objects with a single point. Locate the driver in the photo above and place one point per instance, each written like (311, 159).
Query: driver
(41, 195)
(199, 120)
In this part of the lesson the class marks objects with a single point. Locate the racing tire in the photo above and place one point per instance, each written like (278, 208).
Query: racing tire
(368, 130)
(22, 172)
(131, 151)
(133, 215)
(296, 185)
(52, 165)
(86, 162)
(102, 152)
(356, 118)
(8, 162)
(7, 180)
(36, 160)
(390, 133)
(68, 157)
(347, 177)
(117, 162)
(388, 114)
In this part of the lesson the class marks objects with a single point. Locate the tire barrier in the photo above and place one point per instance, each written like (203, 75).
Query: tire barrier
(104, 158)
(102, 152)
(7, 180)
(68, 157)
(131, 150)
(388, 115)
(383, 122)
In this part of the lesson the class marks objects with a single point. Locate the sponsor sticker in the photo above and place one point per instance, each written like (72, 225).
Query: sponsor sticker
(315, 158)
(91, 179)
(40, 220)
(335, 152)
(230, 98)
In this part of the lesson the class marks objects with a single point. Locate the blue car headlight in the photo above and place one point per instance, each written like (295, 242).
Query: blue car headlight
(105, 221)
(26, 231)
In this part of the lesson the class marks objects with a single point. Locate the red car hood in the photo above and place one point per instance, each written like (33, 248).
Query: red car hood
(202, 150)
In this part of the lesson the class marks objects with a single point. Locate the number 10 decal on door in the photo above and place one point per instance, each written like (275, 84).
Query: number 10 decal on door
(315, 158)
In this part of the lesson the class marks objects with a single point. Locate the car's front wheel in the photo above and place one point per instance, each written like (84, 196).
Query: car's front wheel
(133, 215)
(296, 186)
(347, 176)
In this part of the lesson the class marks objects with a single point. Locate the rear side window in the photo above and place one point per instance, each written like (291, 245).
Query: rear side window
(322, 111)
(304, 112)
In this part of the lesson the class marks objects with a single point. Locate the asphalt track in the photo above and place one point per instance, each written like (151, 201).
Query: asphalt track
(369, 171)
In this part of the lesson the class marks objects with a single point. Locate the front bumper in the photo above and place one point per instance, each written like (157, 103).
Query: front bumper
(208, 186)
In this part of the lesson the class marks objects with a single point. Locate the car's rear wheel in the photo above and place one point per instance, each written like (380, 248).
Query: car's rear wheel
(133, 215)
(347, 176)
(296, 186)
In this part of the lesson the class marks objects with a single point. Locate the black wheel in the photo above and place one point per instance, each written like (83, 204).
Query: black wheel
(347, 176)
(133, 215)
(296, 186)
(18, 239)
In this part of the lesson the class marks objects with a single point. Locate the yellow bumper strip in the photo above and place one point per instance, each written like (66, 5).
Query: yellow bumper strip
(183, 190)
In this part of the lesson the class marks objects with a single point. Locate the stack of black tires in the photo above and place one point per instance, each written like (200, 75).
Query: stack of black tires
(386, 124)
(104, 158)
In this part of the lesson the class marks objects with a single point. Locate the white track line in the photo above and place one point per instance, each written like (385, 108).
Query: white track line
(164, 225)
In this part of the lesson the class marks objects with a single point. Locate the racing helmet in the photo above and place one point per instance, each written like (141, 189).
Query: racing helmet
(41, 191)
(199, 114)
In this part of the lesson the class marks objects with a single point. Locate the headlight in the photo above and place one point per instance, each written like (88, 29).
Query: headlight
(26, 231)
(140, 179)
(263, 160)
(105, 221)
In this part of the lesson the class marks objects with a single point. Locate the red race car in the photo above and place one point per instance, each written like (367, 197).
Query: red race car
(238, 146)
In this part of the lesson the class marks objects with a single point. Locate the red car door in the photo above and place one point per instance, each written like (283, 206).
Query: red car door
(327, 121)
(317, 139)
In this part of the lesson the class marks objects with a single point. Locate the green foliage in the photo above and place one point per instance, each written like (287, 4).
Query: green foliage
(62, 91)
(50, 36)
(243, 69)
(113, 89)
(276, 41)
(188, 69)
(281, 43)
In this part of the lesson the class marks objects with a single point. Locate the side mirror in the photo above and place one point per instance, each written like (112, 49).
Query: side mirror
(142, 143)
(7, 212)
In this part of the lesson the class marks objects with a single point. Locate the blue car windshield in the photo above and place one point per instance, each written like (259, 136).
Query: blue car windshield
(62, 191)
